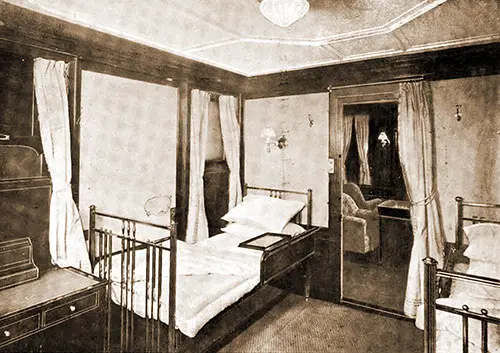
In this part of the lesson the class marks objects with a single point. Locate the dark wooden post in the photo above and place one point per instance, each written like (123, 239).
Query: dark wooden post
(241, 120)
(459, 236)
(74, 103)
(430, 305)
(183, 159)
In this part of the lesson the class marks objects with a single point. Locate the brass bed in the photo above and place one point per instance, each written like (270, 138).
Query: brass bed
(457, 316)
(139, 323)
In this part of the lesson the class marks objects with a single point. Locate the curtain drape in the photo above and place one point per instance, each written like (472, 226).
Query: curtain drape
(231, 140)
(197, 225)
(66, 240)
(362, 127)
(416, 143)
(347, 127)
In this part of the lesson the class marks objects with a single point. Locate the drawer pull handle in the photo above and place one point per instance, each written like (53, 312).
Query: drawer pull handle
(72, 308)
(6, 333)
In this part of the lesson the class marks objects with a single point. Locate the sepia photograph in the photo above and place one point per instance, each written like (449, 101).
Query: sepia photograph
(250, 176)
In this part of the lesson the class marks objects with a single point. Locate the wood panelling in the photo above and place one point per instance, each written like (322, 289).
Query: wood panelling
(216, 192)
(436, 65)
(183, 159)
(101, 50)
(74, 105)
(24, 212)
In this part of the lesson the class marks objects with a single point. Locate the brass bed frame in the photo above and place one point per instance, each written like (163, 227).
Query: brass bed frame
(437, 282)
(275, 264)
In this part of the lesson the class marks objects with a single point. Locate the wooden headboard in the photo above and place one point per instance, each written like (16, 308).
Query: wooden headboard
(24, 199)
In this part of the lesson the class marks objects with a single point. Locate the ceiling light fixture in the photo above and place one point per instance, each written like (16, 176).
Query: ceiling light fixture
(284, 12)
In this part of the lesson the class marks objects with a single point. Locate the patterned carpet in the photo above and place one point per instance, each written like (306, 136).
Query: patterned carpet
(297, 326)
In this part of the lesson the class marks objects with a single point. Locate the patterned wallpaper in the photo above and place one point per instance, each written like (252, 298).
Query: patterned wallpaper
(128, 145)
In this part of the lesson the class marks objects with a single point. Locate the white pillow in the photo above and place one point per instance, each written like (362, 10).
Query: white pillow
(243, 231)
(292, 229)
(484, 242)
(473, 290)
(269, 213)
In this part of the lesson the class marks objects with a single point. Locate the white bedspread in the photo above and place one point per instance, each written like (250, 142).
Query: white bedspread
(449, 326)
(211, 276)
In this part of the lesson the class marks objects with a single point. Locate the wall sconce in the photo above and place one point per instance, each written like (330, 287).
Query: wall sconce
(310, 119)
(384, 139)
(458, 114)
(270, 137)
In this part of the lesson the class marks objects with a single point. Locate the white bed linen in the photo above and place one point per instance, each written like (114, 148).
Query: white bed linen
(211, 275)
(449, 326)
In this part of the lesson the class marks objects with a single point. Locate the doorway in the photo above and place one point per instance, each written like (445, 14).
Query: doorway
(374, 243)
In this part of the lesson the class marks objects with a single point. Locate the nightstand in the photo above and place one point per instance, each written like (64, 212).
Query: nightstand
(45, 307)
(396, 238)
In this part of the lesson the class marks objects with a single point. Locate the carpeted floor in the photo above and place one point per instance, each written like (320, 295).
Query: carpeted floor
(297, 326)
(383, 285)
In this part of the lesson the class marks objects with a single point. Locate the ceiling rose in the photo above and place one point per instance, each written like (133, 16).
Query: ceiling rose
(284, 12)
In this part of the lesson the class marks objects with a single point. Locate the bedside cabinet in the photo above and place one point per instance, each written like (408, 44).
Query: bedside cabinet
(396, 237)
(63, 310)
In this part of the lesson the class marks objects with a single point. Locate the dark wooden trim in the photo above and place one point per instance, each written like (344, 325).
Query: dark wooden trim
(335, 191)
(30, 50)
(241, 119)
(216, 167)
(388, 92)
(476, 60)
(183, 158)
(129, 73)
(74, 102)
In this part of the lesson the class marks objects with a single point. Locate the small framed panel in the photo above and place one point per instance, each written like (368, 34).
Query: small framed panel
(266, 241)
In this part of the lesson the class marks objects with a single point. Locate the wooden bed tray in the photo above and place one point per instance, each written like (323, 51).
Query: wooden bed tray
(276, 262)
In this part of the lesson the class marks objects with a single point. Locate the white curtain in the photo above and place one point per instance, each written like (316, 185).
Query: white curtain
(231, 140)
(347, 127)
(416, 143)
(197, 225)
(361, 124)
(66, 240)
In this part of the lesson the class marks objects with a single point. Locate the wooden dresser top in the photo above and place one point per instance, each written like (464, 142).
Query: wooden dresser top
(51, 286)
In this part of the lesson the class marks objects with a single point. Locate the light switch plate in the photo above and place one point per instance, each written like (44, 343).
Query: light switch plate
(331, 168)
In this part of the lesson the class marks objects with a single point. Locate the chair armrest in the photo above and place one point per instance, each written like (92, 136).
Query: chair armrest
(356, 221)
(372, 204)
(367, 214)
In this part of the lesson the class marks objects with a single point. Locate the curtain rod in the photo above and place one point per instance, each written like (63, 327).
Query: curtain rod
(407, 79)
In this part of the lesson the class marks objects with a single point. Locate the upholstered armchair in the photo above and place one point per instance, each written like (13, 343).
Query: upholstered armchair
(361, 227)
(354, 191)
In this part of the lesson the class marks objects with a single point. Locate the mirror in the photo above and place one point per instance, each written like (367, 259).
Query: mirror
(376, 246)
(368, 205)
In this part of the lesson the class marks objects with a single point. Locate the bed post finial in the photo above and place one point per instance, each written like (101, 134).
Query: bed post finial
(430, 304)
(459, 235)
(91, 234)
(309, 208)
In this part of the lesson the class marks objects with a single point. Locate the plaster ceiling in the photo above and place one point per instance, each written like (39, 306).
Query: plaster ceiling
(232, 34)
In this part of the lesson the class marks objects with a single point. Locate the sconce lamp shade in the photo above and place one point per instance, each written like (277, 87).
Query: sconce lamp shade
(384, 139)
(284, 12)
(268, 133)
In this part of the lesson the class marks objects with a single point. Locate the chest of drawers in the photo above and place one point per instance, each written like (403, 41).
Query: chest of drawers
(54, 300)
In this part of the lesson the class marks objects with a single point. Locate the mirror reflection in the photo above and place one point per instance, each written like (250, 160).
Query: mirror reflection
(377, 236)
